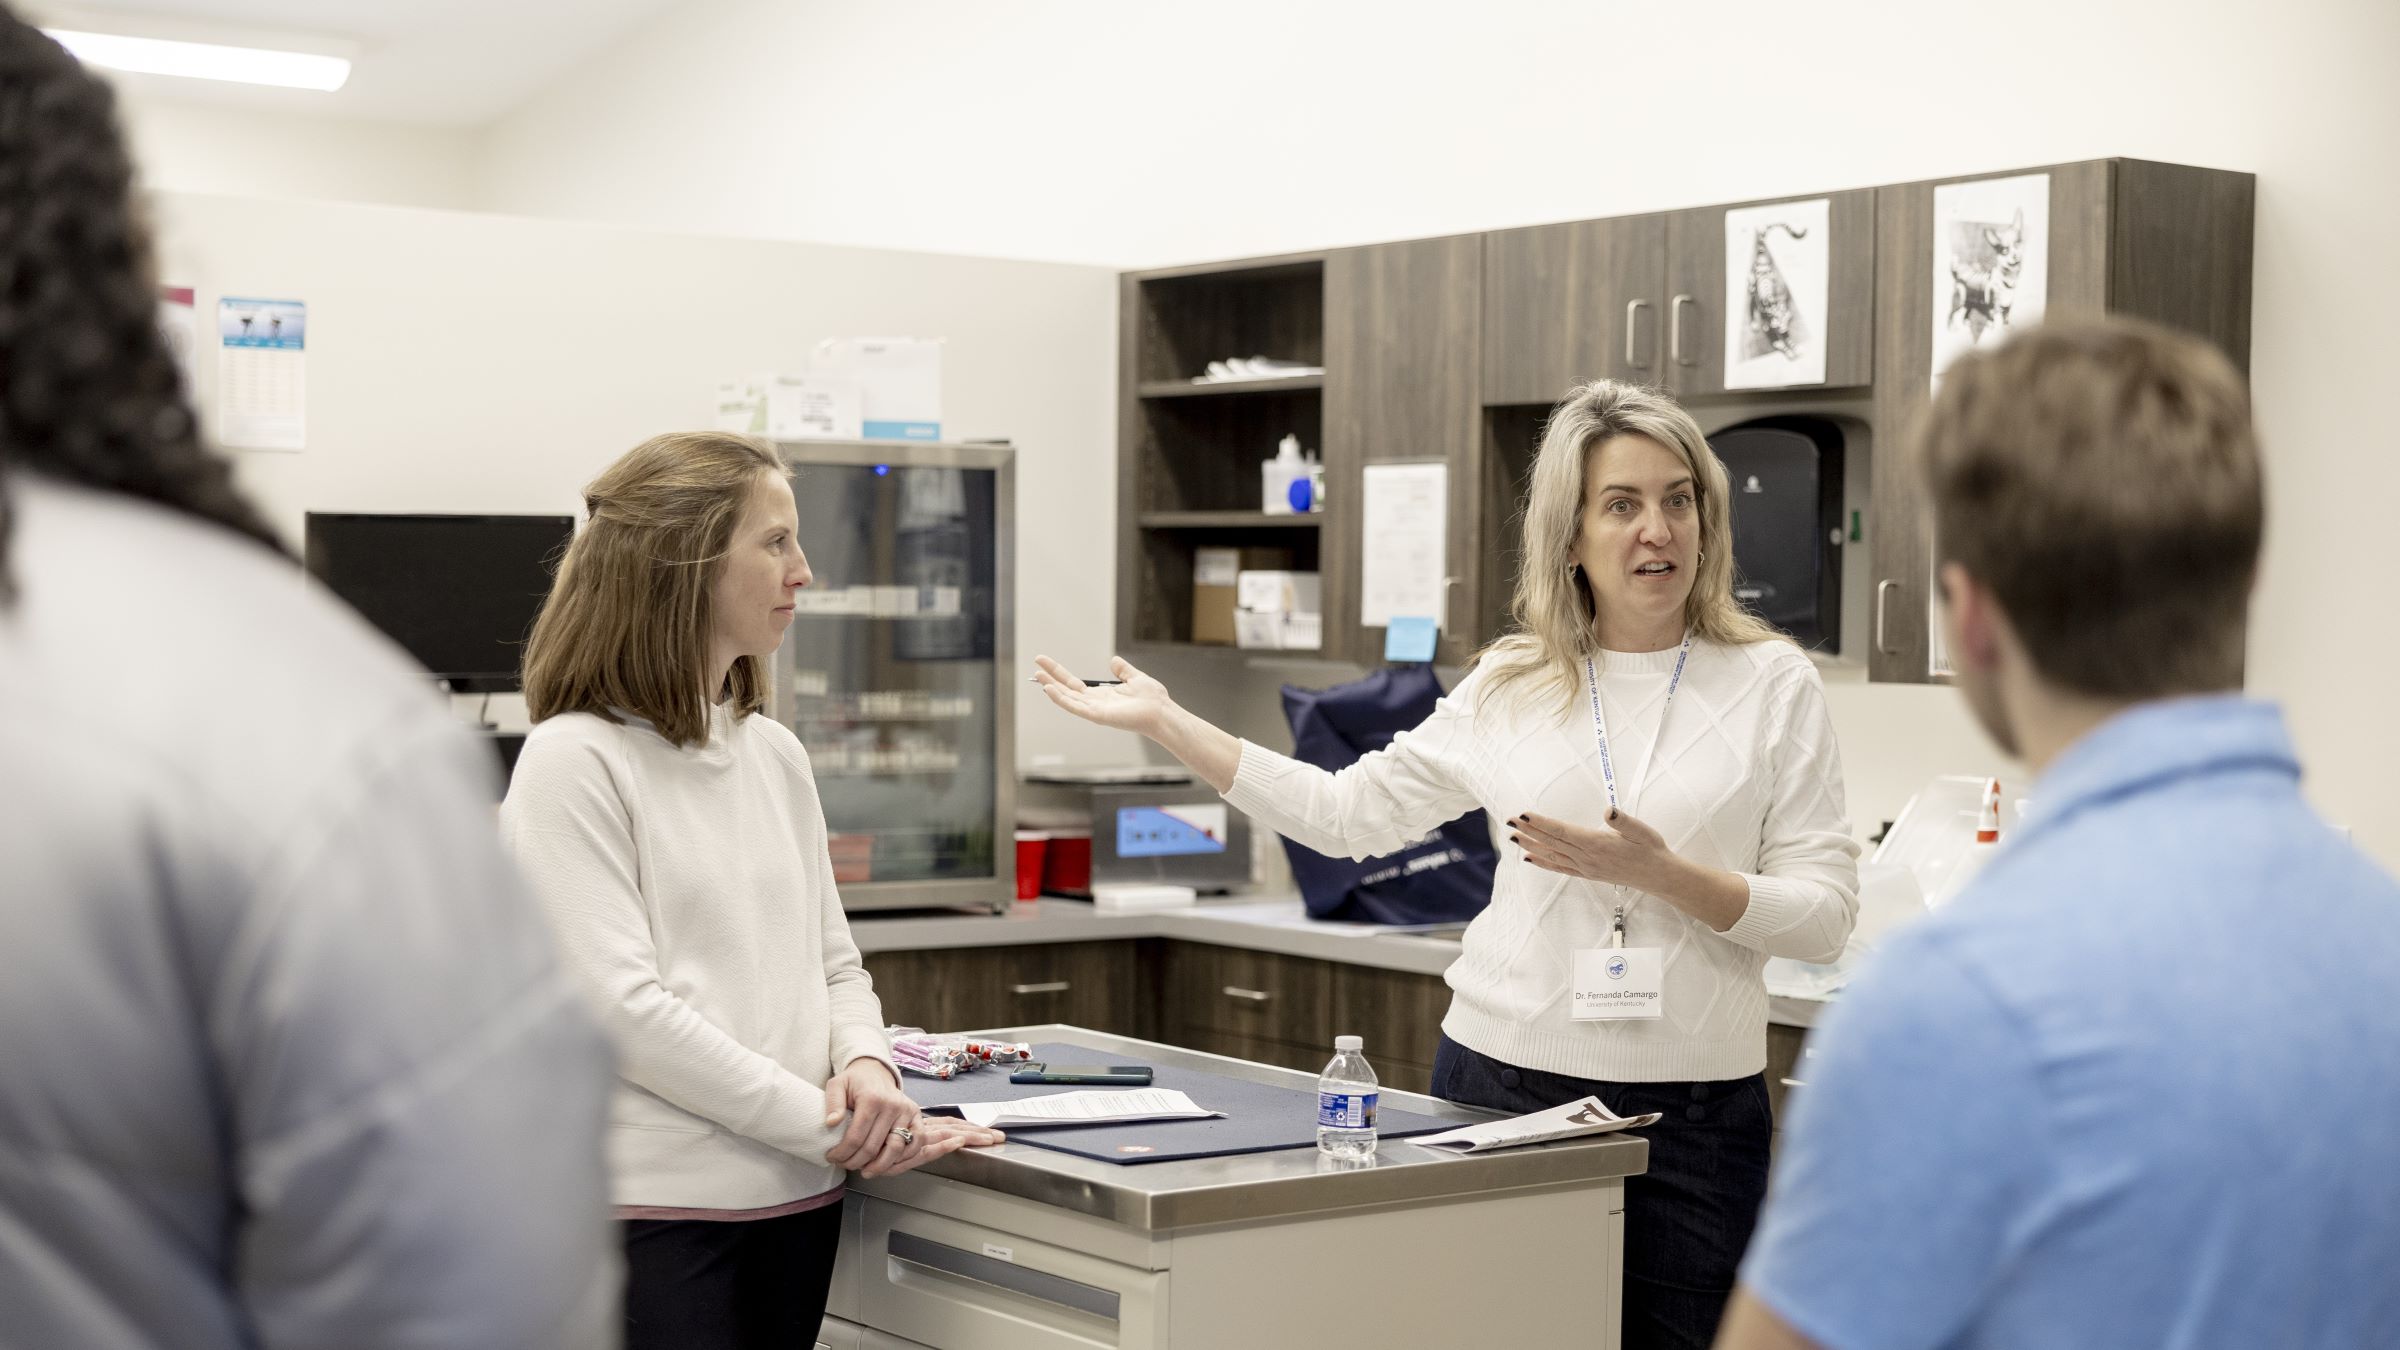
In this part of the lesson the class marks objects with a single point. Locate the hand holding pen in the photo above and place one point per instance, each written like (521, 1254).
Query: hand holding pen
(1132, 701)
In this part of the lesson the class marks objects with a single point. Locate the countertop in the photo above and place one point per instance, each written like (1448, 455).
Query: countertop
(1266, 922)
(1154, 1197)
(1263, 921)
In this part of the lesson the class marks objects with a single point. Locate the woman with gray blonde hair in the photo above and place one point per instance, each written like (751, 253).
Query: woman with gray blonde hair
(1668, 772)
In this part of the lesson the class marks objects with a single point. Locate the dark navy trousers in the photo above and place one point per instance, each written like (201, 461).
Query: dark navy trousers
(1687, 1219)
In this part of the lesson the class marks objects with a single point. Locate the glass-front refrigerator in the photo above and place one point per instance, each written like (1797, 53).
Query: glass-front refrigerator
(895, 672)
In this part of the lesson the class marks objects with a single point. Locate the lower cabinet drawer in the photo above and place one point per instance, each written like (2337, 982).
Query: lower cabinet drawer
(1252, 994)
(1786, 1046)
(935, 1280)
(1256, 1049)
(1399, 1014)
(1088, 984)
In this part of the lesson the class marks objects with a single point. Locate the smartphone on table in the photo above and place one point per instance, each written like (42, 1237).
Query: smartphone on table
(1089, 1075)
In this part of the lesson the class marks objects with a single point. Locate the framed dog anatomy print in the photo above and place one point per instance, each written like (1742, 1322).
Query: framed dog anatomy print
(1778, 274)
(1991, 263)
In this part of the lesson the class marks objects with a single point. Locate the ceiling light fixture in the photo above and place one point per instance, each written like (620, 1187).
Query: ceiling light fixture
(205, 60)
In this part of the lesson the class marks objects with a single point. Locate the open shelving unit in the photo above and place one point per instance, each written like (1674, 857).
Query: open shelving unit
(1189, 453)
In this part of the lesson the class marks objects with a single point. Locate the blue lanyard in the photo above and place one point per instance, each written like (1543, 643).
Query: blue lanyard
(1608, 767)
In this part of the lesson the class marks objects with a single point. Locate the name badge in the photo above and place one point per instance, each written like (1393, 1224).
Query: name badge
(1617, 983)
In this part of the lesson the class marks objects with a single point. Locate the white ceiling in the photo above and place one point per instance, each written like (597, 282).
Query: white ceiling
(427, 62)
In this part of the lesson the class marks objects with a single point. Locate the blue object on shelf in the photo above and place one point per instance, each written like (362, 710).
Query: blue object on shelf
(1298, 495)
(1410, 637)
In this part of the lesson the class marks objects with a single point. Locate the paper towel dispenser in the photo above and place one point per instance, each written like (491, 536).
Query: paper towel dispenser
(1785, 477)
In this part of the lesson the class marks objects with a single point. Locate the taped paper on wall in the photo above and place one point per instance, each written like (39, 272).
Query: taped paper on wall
(1991, 263)
(1405, 530)
(262, 374)
(1778, 280)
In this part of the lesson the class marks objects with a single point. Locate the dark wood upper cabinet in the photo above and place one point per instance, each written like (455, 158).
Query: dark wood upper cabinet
(2156, 241)
(1403, 354)
(1563, 304)
(1455, 349)
(1698, 301)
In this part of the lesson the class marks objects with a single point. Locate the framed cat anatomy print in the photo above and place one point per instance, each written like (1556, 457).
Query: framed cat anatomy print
(1778, 271)
(1991, 263)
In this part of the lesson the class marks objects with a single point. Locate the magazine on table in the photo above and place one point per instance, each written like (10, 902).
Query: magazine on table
(1570, 1121)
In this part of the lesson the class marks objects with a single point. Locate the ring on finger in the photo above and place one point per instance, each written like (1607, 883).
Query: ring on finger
(905, 1135)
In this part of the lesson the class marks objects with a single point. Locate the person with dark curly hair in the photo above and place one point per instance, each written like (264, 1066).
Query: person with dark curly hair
(286, 1055)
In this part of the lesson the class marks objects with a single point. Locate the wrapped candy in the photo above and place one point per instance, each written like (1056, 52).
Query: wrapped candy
(947, 1057)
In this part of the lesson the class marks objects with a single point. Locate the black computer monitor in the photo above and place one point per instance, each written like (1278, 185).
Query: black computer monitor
(459, 592)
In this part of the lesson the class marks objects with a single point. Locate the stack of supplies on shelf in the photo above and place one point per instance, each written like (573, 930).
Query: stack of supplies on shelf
(1279, 610)
(1255, 368)
(1217, 587)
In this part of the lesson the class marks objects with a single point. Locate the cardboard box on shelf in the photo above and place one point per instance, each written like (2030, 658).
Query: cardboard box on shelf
(899, 382)
(1258, 630)
(1276, 591)
(1279, 610)
(1216, 588)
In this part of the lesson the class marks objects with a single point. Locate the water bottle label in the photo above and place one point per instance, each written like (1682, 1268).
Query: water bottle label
(1346, 1110)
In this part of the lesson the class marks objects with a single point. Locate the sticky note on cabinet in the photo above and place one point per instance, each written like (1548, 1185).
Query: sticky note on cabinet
(1410, 638)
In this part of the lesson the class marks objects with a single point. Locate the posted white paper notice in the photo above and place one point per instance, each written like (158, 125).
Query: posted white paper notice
(1404, 567)
(262, 374)
(1087, 1108)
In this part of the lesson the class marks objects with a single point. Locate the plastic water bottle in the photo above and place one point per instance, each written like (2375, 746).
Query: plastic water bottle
(1346, 1094)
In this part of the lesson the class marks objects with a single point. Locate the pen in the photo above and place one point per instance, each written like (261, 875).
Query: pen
(1089, 684)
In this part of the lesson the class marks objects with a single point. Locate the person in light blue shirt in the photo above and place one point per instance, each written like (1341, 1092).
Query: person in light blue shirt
(2139, 1085)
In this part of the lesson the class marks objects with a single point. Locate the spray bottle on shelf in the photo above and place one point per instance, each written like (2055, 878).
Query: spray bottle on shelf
(1979, 853)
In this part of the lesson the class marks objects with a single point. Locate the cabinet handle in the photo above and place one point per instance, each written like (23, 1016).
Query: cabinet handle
(1632, 308)
(1793, 1083)
(1045, 987)
(1675, 328)
(1881, 588)
(1253, 995)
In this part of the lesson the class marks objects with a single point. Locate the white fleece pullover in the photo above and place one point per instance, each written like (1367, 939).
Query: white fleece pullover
(694, 900)
(1747, 779)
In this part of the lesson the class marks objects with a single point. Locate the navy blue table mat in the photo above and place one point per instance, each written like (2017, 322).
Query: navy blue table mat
(1258, 1117)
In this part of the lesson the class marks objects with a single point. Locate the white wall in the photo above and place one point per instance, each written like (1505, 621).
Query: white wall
(1094, 130)
(487, 364)
(250, 152)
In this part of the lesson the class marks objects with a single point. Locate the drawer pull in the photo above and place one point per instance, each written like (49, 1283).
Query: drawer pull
(1045, 987)
(1249, 995)
(1793, 1083)
(941, 1259)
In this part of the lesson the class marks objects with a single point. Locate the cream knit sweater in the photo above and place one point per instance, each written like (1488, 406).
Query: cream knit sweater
(693, 898)
(1747, 778)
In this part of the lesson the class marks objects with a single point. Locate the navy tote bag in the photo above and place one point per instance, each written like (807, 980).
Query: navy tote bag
(1443, 879)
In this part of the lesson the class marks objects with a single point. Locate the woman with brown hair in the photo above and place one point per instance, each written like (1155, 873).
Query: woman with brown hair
(677, 840)
(1674, 796)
